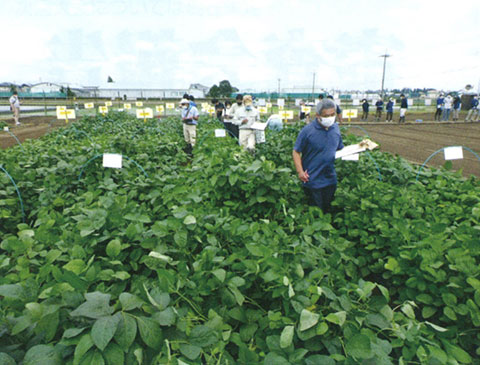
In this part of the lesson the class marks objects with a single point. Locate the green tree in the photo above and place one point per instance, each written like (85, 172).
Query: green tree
(214, 92)
(70, 93)
(226, 89)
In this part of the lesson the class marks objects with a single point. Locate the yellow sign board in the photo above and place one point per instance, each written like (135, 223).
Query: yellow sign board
(139, 103)
(211, 110)
(350, 113)
(170, 105)
(286, 114)
(160, 108)
(66, 114)
(280, 107)
(146, 113)
(89, 105)
(61, 107)
(127, 106)
(268, 105)
(306, 109)
(108, 103)
(103, 109)
(205, 106)
(263, 109)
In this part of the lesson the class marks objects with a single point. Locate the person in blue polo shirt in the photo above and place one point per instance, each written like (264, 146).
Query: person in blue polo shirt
(314, 155)
(390, 110)
(379, 105)
(439, 111)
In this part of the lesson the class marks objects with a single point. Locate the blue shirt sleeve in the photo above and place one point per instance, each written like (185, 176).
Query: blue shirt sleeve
(301, 140)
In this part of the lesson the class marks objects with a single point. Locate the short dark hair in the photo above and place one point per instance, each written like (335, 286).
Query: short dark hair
(214, 101)
(15, 93)
(402, 95)
(320, 96)
(239, 97)
(228, 102)
(329, 97)
(191, 98)
(185, 96)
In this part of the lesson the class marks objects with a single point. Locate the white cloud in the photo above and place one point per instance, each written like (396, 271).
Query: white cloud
(252, 43)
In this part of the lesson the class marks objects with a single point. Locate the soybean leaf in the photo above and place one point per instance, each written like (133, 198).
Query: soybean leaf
(286, 337)
(103, 330)
(190, 351)
(150, 332)
(126, 331)
(42, 355)
(308, 319)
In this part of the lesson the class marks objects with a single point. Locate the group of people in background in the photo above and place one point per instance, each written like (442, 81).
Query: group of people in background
(379, 105)
(237, 118)
(445, 105)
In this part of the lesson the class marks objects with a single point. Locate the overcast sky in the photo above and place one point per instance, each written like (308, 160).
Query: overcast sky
(252, 43)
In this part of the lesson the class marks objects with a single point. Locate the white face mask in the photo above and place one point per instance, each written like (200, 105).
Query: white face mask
(327, 122)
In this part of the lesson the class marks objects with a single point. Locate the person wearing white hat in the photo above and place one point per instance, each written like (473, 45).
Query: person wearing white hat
(244, 117)
(189, 119)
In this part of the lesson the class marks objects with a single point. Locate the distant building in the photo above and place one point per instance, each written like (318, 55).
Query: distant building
(45, 87)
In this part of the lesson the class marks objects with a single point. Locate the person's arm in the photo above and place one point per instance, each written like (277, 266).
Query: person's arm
(297, 160)
(195, 114)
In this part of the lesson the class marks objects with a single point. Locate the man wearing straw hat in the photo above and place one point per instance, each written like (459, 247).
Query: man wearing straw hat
(189, 119)
(244, 117)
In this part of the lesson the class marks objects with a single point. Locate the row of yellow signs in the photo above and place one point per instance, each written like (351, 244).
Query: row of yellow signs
(128, 106)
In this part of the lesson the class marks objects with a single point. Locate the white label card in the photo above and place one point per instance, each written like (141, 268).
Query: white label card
(428, 102)
(220, 133)
(453, 153)
(112, 160)
(5, 129)
(410, 102)
(350, 113)
(355, 102)
(281, 102)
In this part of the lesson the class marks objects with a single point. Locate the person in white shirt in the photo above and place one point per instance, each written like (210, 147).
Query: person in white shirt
(447, 107)
(233, 109)
(15, 107)
(244, 117)
(189, 119)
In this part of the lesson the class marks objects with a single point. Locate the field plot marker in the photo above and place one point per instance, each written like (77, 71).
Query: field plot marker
(139, 104)
(146, 113)
(450, 153)
(66, 114)
(350, 113)
(103, 110)
(111, 161)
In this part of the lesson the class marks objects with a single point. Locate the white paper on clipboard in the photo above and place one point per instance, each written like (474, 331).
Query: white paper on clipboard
(259, 126)
(349, 150)
(354, 157)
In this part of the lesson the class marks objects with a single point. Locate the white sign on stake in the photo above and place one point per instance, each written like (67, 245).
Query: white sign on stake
(170, 105)
(453, 153)
(410, 102)
(127, 106)
(66, 114)
(354, 157)
(220, 133)
(112, 160)
(108, 103)
(89, 105)
(355, 102)
(428, 102)
(262, 102)
(5, 129)
(281, 102)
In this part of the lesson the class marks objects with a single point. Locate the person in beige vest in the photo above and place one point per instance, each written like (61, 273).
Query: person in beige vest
(244, 117)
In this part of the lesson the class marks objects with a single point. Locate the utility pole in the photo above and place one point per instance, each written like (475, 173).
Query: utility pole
(385, 56)
(313, 88)
(278, 87)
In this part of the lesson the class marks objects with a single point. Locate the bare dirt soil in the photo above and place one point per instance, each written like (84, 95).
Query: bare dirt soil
(30, 128)
(417, 141)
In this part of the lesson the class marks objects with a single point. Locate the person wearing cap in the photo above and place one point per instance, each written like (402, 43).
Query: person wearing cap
(189, 119)
(439, 111)
(390, 110)
(244, 117)
(314, 155)
(15, 107)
